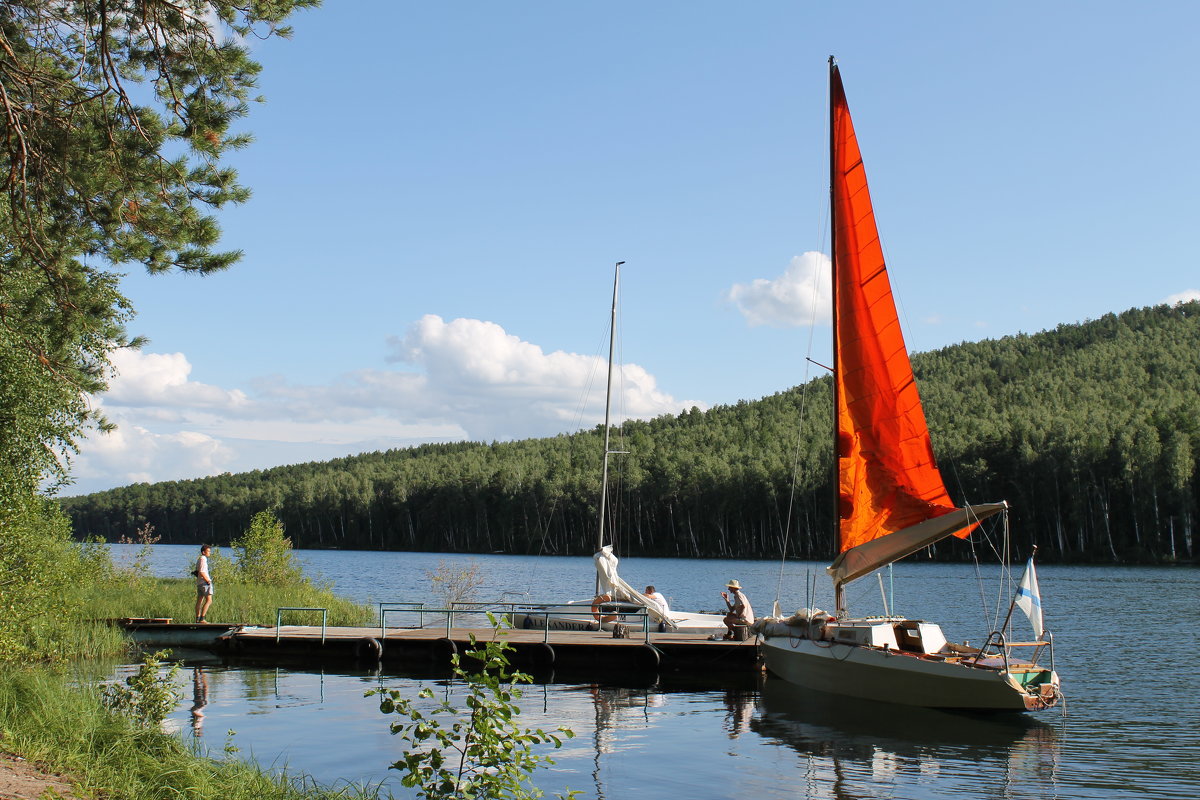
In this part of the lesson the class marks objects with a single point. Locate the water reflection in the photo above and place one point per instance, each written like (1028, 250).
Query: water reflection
(739, 712)
(199, 700)
(855, 749)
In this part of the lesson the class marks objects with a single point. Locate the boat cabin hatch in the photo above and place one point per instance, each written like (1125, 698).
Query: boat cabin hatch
(907, 636)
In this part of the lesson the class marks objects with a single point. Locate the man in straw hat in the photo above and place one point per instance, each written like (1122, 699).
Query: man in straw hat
(739, 613)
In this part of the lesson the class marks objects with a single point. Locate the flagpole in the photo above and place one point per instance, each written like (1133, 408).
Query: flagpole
(1013, 604)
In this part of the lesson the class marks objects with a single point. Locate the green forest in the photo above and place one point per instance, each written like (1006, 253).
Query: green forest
(1090, 432)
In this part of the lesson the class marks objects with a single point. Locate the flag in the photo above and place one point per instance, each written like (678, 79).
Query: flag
(1029, 599)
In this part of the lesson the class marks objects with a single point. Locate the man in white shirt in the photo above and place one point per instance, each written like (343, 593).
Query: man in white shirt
(204, 586)
(660, 602)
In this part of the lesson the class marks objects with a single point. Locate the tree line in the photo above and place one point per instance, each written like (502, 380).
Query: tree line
(1090, 431)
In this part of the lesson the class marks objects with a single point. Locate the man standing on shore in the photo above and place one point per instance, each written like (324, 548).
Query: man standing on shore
(204, 586)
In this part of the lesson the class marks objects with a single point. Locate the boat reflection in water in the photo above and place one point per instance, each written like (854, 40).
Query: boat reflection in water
(859, 748)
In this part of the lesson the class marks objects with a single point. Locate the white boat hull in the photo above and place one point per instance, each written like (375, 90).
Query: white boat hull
(872, 673)
(579, 617)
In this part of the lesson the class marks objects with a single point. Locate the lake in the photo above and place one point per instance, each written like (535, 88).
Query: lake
(1124, 641)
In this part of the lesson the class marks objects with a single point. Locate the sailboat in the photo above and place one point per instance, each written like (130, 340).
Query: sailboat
(615, 601)
(891, 500)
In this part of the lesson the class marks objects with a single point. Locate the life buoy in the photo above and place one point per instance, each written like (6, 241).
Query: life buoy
(598, 612)
(368, 649)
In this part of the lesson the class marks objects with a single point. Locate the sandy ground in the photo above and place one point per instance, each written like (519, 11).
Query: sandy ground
(20, 780)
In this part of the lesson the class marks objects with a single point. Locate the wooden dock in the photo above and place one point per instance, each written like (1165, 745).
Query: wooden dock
(688, 655)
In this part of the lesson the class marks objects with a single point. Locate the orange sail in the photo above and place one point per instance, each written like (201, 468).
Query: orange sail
(887, 477)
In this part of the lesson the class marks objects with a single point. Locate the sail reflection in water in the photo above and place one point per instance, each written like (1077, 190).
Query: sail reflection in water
(863, 749)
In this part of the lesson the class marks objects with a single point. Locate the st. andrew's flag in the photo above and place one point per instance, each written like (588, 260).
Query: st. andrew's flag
(1029, 599)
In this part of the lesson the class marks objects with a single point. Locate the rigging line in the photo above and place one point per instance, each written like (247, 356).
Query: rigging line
(988, 617)
(979, 582)
(822, 239)
(1001, 559)
(585, 391)
(799, 443)
(621, 489)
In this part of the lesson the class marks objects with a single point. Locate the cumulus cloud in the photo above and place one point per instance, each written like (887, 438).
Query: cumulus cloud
(1186, 296)
(503, 387)
(462, 379)
(161, 379)
(132, 454)
(798, 297)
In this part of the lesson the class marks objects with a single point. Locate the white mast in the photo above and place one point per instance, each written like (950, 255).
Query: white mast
(612, 337)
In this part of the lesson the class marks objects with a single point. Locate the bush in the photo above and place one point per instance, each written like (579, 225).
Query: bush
(41, 574)
(263, 554)
(145, 697)
(484, 752)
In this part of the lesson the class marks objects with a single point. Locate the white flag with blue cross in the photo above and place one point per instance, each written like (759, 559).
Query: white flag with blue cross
(1029, 599)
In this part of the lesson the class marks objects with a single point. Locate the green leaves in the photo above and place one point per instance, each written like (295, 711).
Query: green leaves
(263, 555)
(113, 119)
(479, 751)
(147, 696)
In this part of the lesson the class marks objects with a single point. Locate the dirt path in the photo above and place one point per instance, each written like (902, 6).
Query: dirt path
(20, 780)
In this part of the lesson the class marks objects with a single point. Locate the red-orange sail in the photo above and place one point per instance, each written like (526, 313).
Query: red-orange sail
(887, 477)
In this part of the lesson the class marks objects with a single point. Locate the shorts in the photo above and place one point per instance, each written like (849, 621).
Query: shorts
(204, 589)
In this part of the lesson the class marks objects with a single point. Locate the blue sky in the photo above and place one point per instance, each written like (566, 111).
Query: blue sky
(441, 190)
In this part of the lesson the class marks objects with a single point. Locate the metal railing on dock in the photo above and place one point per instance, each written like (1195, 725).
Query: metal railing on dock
(510, 610)
(279, 619)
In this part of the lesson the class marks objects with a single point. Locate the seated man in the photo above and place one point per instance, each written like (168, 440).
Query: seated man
(739, 613)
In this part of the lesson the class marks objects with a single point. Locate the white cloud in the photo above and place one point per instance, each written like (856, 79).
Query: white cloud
(467, 379)
(798, 297)
(161, 380)
(132, 453)
(502, 387)
(1186, 296)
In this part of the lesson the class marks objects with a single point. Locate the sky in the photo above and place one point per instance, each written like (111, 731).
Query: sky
(441, 191)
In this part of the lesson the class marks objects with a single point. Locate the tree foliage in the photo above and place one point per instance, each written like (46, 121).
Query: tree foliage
(41, 573)
(114, 117)
(1090, 431)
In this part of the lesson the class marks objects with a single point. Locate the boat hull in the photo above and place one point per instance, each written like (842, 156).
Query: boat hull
(579, 617)
(877, 674)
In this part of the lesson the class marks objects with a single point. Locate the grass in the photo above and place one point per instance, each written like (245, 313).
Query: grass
(58, 721)
(51, 720)
(234, 601)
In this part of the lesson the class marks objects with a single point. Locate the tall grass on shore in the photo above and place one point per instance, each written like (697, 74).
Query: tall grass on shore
(263, 576)
(235, 601)
(52, 721)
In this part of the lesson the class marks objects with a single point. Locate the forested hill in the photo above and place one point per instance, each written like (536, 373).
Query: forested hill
(1090, 431)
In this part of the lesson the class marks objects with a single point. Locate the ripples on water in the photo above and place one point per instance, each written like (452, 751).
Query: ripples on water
(1124, 640)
